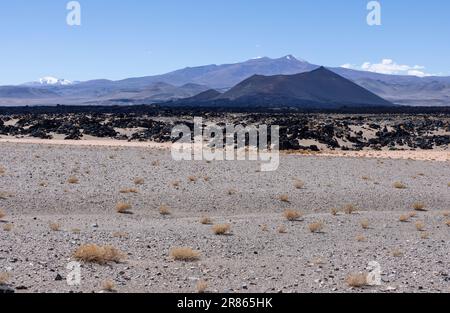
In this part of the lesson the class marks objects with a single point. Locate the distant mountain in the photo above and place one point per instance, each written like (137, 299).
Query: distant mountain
(50, 81)
(226, 75)
(100, 92)
(320, 88)
(405, 90)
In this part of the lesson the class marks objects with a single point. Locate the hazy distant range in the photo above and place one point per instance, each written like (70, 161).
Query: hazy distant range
(191, 81)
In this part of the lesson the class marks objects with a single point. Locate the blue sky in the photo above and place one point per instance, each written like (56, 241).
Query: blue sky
(119, 39)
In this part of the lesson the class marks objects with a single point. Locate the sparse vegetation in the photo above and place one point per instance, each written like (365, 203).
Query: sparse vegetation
(92, 253)
(316, 227)
(184, 254)
(202, 286)
(298, 184)
(357, 280)
(365, 224)
(2, 170)
(404, 218)
(8, 227)
(446, 214)
(164, 210)
(420, 226)
(231, 191)
(424, 235)
(55, 226)
(292, 215)
(4, 278)
(264, 227)
(419, 206)
(361, 238)
(282, 229)
(284, 198)
(399, 185)
(109, 285)
(397, 253)
(139, 181)
(447, 223)
(334, 211)
(206, 221)
(349, 209)
(2, 214)
(73, 180)
(129, 190)
(192, 179)
(176, 184)
(120, 235)
(221, 229)
(123, 208)
(412, 214)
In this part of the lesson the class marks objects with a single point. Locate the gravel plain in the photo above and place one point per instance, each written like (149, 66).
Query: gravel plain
(255, 256)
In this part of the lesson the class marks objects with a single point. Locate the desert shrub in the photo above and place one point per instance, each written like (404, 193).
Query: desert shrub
(92, 253)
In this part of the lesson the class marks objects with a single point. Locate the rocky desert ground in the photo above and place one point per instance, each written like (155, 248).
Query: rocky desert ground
(314, 225)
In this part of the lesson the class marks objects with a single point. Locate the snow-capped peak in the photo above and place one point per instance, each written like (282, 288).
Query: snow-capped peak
(49, 80)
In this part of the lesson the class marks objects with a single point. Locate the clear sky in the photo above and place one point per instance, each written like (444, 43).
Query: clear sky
(119, 39)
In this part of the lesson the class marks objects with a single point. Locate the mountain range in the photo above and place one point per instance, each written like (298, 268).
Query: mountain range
(319, 88)
(190, 81)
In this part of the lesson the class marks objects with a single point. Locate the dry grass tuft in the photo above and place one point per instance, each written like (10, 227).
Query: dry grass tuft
(139, 181)
(8, 227)
(73, 180)
(284, 198)
(412, 214)
(397, 253)
(120, 234)
(448, 185)
(298, 184)
(404, 218)
(75, 230)
(292, 215)
(176, 184)
(420, 226)
(92, 253)
(184, 254)
(4, 278)
(2, 170)
(264, 227)
(123, 208)
(365, 178)
(2, 214)
(221, 229)
(282, 229)
(361, 238)
(206, 221)
(334, 211)
(316, 227)
(109, 285)
(446, 214)
(192, 179)
(447, 223)
(54, 226)
(349, 209)
(365, 224)
(202, 286)
(419, 206)
(357, 280)
(164, 210)
(129, 190)
(425, 235)
(399, 185)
